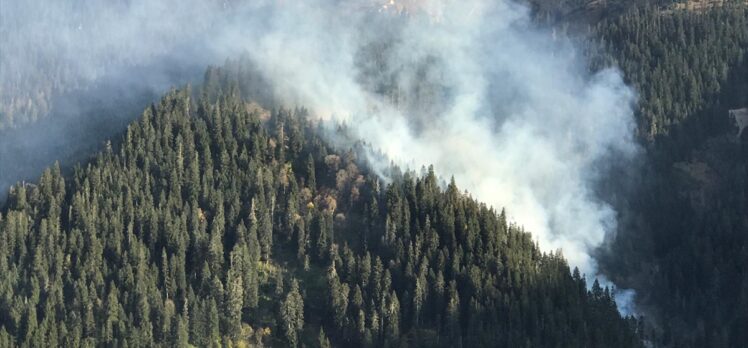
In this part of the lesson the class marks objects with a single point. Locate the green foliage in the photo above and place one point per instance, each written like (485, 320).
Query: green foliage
(686, 66)
(292, 314)
(682, 240)
(195, 227)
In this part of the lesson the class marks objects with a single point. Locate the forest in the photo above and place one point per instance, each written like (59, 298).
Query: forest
(213, 222)
(685, 240)
(221, 217)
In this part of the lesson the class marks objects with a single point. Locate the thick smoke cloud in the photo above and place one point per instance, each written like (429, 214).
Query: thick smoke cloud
(520, 122)
(470, 86)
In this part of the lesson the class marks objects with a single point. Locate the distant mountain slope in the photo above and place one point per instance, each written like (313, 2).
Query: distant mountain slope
(686, 66)
(213, 222)
(683, 234)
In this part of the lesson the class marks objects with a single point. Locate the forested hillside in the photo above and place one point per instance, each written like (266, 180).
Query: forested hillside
(682, 242)
(214, 222)
(688, 68)
(219, 218)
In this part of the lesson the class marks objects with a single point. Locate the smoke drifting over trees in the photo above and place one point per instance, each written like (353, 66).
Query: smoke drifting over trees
(472, 87)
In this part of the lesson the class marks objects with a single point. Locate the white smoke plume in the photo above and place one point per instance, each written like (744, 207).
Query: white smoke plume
(470, 86)
(520, 122)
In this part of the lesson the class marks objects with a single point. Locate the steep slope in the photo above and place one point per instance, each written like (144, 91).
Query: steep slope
(682, 239)
(214, 222)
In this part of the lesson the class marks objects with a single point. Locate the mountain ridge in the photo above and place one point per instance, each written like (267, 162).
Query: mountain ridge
(209, 225)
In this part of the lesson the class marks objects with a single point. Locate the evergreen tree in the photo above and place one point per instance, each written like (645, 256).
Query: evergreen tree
(292, 313)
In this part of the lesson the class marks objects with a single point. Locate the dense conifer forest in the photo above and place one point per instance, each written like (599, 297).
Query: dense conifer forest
(685, 238)
(214, 222)
(221, 218)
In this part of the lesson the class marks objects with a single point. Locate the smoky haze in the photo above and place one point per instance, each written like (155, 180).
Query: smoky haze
(74, 73)
(472, 87)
